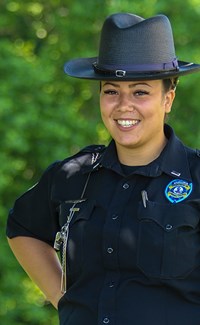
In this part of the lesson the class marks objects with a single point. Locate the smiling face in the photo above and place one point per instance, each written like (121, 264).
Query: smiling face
(133, 113)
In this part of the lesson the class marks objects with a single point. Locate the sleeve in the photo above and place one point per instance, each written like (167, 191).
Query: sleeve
(34, 213)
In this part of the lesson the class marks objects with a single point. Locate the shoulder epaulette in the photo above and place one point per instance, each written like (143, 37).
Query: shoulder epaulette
(93, 148)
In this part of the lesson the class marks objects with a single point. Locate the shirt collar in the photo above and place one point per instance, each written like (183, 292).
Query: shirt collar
(172, 160)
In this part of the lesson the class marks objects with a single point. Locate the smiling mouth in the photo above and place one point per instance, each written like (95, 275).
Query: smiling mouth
(127, 123)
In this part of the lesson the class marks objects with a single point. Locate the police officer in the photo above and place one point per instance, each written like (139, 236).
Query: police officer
(125, 217)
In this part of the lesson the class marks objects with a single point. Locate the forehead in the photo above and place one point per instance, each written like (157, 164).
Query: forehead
(132, 84)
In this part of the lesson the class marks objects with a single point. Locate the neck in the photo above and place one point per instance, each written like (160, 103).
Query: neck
(140, 156)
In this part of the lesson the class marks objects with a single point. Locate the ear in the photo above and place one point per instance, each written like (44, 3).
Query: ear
(168, 100)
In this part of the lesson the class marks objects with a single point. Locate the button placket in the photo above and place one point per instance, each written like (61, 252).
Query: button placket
(107, 299)
(110, 252)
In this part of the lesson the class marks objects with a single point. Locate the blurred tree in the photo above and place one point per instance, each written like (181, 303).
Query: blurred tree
(47, 116)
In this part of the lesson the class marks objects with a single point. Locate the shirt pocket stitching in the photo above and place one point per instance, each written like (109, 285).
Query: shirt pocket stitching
(167, 233)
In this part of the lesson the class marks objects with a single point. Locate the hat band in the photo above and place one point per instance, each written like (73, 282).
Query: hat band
(122, 71)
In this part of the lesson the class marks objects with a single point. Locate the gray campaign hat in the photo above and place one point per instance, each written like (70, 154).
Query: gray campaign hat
(133, 48)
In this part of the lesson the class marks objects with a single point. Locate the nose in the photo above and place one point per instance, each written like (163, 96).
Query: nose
(126, 103)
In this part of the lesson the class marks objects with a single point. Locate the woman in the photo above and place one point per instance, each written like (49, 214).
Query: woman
(125, 217)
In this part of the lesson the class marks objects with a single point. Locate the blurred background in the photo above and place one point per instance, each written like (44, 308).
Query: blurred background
(46, 116)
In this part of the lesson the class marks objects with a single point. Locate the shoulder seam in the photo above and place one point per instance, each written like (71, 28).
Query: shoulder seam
(198, 152)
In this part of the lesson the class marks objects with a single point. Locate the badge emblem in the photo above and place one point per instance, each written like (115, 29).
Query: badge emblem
(178, 190)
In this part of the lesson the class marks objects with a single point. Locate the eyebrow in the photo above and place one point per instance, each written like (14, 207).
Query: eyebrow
(130, 86)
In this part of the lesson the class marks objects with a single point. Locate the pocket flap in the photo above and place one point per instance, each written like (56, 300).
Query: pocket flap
(80, 209)
(170, 216)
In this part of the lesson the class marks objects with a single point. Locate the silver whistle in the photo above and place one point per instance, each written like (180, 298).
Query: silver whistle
(58, 241)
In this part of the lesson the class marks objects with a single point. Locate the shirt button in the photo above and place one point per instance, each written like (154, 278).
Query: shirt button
(168, 227)
(106, 320)
(110, 250)
(111, 284)
(114, 216)
(126, 186)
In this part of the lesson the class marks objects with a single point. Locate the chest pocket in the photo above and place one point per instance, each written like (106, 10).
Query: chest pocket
(78, 209)
(80, 212)
(168, 239)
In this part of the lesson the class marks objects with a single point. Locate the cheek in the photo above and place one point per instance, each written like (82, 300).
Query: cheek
(153, 113)
(106, 107)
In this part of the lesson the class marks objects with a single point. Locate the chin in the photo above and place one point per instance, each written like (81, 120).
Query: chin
(128, 144)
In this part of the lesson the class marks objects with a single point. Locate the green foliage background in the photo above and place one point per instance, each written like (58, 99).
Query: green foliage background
(46, 115)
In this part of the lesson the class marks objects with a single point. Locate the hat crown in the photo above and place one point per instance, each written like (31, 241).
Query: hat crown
(128, 40)
(133, 48)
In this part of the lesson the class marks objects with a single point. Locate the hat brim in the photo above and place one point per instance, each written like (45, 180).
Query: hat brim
(83, 68)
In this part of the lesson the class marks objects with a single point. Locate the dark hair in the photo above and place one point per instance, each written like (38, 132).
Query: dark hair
(170, 84)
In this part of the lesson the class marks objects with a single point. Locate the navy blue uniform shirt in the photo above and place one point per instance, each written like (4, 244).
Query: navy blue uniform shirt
(132, 259)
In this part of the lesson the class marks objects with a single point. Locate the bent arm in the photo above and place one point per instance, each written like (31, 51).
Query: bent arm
(41, 263)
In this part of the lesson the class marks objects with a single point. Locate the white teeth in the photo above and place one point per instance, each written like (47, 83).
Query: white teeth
(127, 123)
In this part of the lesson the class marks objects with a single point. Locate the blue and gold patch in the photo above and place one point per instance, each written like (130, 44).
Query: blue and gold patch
(178, 190)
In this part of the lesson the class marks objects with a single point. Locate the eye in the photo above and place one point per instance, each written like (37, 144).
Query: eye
(141, 93)
(110, 92)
